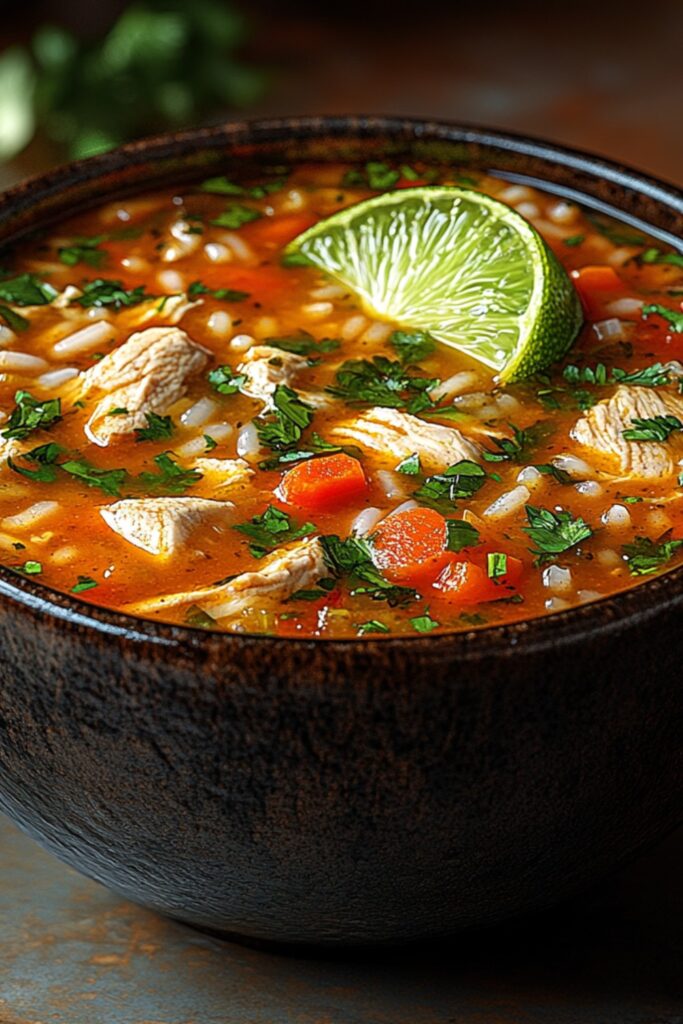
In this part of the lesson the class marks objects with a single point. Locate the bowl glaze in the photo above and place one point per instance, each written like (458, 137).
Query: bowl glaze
(332, 792)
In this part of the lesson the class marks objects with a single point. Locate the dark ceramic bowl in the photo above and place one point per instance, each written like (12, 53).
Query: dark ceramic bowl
(341, 792)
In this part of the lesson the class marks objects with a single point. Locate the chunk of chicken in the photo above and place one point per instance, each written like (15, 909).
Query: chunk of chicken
(224, 473)
(147, 374)
(601, 429)
(162, 525)
(279, 576)
(398, 434)
(265, 368)
(170, 309)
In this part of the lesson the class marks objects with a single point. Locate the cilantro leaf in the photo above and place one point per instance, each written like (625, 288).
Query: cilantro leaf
(410, 465)
(373, 626)
(653, 376)
(287, 421)
(31, 414)
(158, 428)
(224, 380)
(30, 568)
(27, 290)
(235, 216)
(512, 449)
(83, 250)
(673, 259)
(574, 240)
(424, 623)
(613, 230)
(412, 348)
(496, 564)
(105, 292)
(673, 317)
(171, 477)
(381, 382)
(645, 556)
(554, 532)
(352, 558)
(45, 457)
(223, 294)
(14, 320)
(316, 446)
(110, 481)
(305, 345)
(222, 186)
(270, 529)
(655, 428)
(84, 583)
(461, 480)
(461, 534)
(561, 475)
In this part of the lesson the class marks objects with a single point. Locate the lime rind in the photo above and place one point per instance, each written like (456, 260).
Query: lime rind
(456, 263)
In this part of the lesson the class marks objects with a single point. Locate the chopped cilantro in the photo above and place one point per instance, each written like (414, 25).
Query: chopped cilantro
(381, 381)
(84, 583)
(410, 466)
(373, 626)
(561, 475)
(645, 556)
(223, 294)
(287, 421)
(353, 558)
(424, 623)
(461, 480)
(655, 428)
(554, 532)
(512, 449)
(118, 410)
(673, 317)
(14, 320)
(209, 443)
(196, 616)
(171, 477)
(235, 216)
(673, 259)
(473, 619)
(105, 292)
(613, 230)
(224, 380)
(83, 250)
(31, 414)
(460, 535)
(412, 348)
(45, 457)
(653, 376)
(376, 175)
(496, 564)
(30, 568)
(270, 529)
(27, 290)
(574, 240)
(110, 481)
(158, 428)
(316, 446)
(304, 345)
(222, 186)
(585, 374)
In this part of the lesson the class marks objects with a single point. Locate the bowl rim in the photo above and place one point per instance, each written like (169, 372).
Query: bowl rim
(633, 606)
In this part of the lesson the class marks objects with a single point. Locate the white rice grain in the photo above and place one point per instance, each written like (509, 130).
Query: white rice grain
(558, 579)
(366, 521)
(199, 413)
(242, 342)
(171, 281)
(624, 307)
(55, 378)
(391, 484)
(220, 323)
(616, 517)
(466, 380)
(576, 467)
(509, 503)
(353, 327)
(29, 517)
(377, 333)
(216, 252)
(328, 291)
(21, 362)
(317, 310)
(86, 340)
(248, 444)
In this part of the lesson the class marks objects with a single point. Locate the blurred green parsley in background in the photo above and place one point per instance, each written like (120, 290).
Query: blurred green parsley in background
(163, 64)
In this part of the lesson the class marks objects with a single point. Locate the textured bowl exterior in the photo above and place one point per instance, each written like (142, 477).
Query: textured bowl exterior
(340, 792)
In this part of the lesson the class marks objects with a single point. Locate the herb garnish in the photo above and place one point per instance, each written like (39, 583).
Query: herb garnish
(548, 469)
(316, 445)
(171, 477)
(224, 380)
(512, 449)
(14, 320)
(377, 176)
(381, 382)
(461, 534)
(158, 428)
(84, 583)
(461, 480)
(105, 292)
(352, 558)
(30, 568)
(83, 250)
(31, 414)
(496, 565)
(613, 230)
(222, 186)
(110, 481)
(672, 316)
(673, 259)
(412, 348)
(424, 623)
(645, 556)
(574, 240)
(373, 626)
(223, 294)
(410, 465)
(27, 290)
(270, 529)
(652, 376)
(305, 345)
(554, 532)
(235, 216)
(655, 428)
(287, 421)
(45, 457)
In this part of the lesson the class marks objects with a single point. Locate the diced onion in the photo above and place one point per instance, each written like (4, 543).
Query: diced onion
(248, 444)
(507, 504)
(171, 280)
(556, 604)
(617, 517)
(624, 307)
(30, 516)
(609, 330)
(366, 521)
(242, 342)
(529, 476)
(391, 483)
(589, 488)
(199, 412)
(240, 249)
(216, 252)
(576, 467)
(558, 579)
(608, 558)
(588, 595)
(220, 323)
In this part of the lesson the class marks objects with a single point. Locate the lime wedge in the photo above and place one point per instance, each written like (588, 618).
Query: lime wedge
(456, 263)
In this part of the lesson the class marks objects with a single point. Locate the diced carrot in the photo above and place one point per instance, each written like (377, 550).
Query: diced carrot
(466, 582)
(597, 286)
(277, 231)
(324, 484)
(410, 546)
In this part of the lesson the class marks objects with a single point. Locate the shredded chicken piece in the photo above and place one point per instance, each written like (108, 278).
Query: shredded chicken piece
(601, 429)
(225, 473)
(170, 309)
(162, 525)
(279, 576)
(399, 435)
(265, 368)
(146, 374)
